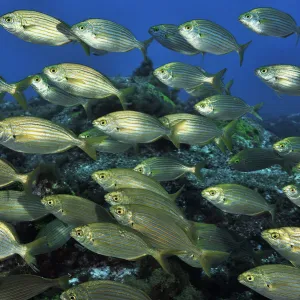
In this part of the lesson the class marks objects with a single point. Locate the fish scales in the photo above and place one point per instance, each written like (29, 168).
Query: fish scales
(172, 119)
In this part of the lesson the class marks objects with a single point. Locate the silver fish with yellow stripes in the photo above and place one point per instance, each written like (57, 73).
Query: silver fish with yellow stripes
(270, 21)
(15, 89)
(168, 36)
(115, 240)
(199, 130)
(133, 127)
(18, 206)
(103, 289)
(226, 107)
(286, 241)
(237, 199)
(283, 79)
(74, 210)
(163, 233)
(151, 199)
(38, 28)
(115, 179)
(276, 282)
(288, 147)
(10, 245)
(292, 191)
(83, 81)
(185, 76)
(108, 36)
(56, 95)
(26, 286)
(167, 168)
(210, 37)
(40, 136)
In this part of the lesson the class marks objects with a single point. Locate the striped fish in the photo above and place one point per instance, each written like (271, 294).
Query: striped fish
(168, 36)
(288, 147)
(115, 179)
(38, 28)
(180, 75)
(150, 199)
(108, 36)
(277, 282)
(74, 210)
(56, 233)
(207, 36)
(10, 245)
(26, 286)
(39, 136)
(82, 81)
(226, 107)
(104, 290)
(283, 79)
(133, 127)
(286, 241)
(167, 168)
(162, 232)
(292, 191)
(117, 241)
(270, 21)
(237, 199)
(18, 207)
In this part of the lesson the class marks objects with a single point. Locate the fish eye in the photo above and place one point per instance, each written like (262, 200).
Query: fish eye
(140, 170)
(250, 278)
(8, 19)
(202, 105)
(81, 27)
(119, 211)
(72, 297)
(275, 235)
(37, 79)
(50, 202)
(237, 161)
(116, 198)
(264, 71)
(155, 29)
(188, 27)
(102, 176)
(53, 70)
(281, 146)
(79, 232)
(103, 122)
(162, 71)
(212, 192)
(247, 16)
(293, 190)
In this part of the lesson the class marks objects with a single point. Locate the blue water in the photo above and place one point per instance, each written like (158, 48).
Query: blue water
(19, 59)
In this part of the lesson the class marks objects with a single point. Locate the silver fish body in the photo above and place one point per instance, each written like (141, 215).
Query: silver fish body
(292, 191)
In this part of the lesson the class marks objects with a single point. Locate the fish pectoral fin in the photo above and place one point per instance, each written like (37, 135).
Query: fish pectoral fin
(264, 21)
(100, 35)
(28, 26)
(75, 80)
(25, 137)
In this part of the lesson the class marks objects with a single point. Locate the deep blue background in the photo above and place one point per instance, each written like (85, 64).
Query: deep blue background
(19, 58)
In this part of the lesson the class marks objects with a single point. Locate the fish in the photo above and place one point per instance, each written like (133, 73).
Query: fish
(56, 233)
(58, 96)
(286, 241)
(296, 168)
(38, 28)
(277, 282)
(10, 245)
(83, 81)
(288, 147)
(255, 159)
(237, 199)
(209, 37)
(199, 130)
(168, 36)
(40, 136)
(115, 240)
(133, 127)
(109, 36)
(283, 79)
(226, 107)
(74, 210)
(163, 233)
(270, 21)
(9, 175)
(292, 191)
(165, 100)
(167, 168)
(151, 199)
(20, 207)
(185, 76)
(118, 178)
(103, 289)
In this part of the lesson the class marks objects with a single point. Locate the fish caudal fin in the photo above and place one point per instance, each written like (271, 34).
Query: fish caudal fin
(173, 136)
(62, 282)
(228, 87)
(273, 211)
(212, 258)
(255, 110)
(199, 166)
(123, 94)
(162, 260)
(228, 131)
(143, 46)
(175, 195)
(31, 250)
(20, 97)
(88, 147)
(87, 106)
(29, 179)
(217, 80)
(241, 51)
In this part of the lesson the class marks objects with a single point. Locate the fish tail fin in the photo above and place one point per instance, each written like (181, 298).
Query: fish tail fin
(217, 80)
(32, 249)
(87, 146)
(210, 258)
(228, 87)
(30, 178)
(85, 47)
(62, 282)
(162, 260)
(123, 94)
(18, 91)
(87, 106)
(175, 195)
(273, 209)
(143, 46)
(20, 97)
(241, 51)
(228, 131)
(255, 110)
(198, 167)
(173, 137)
